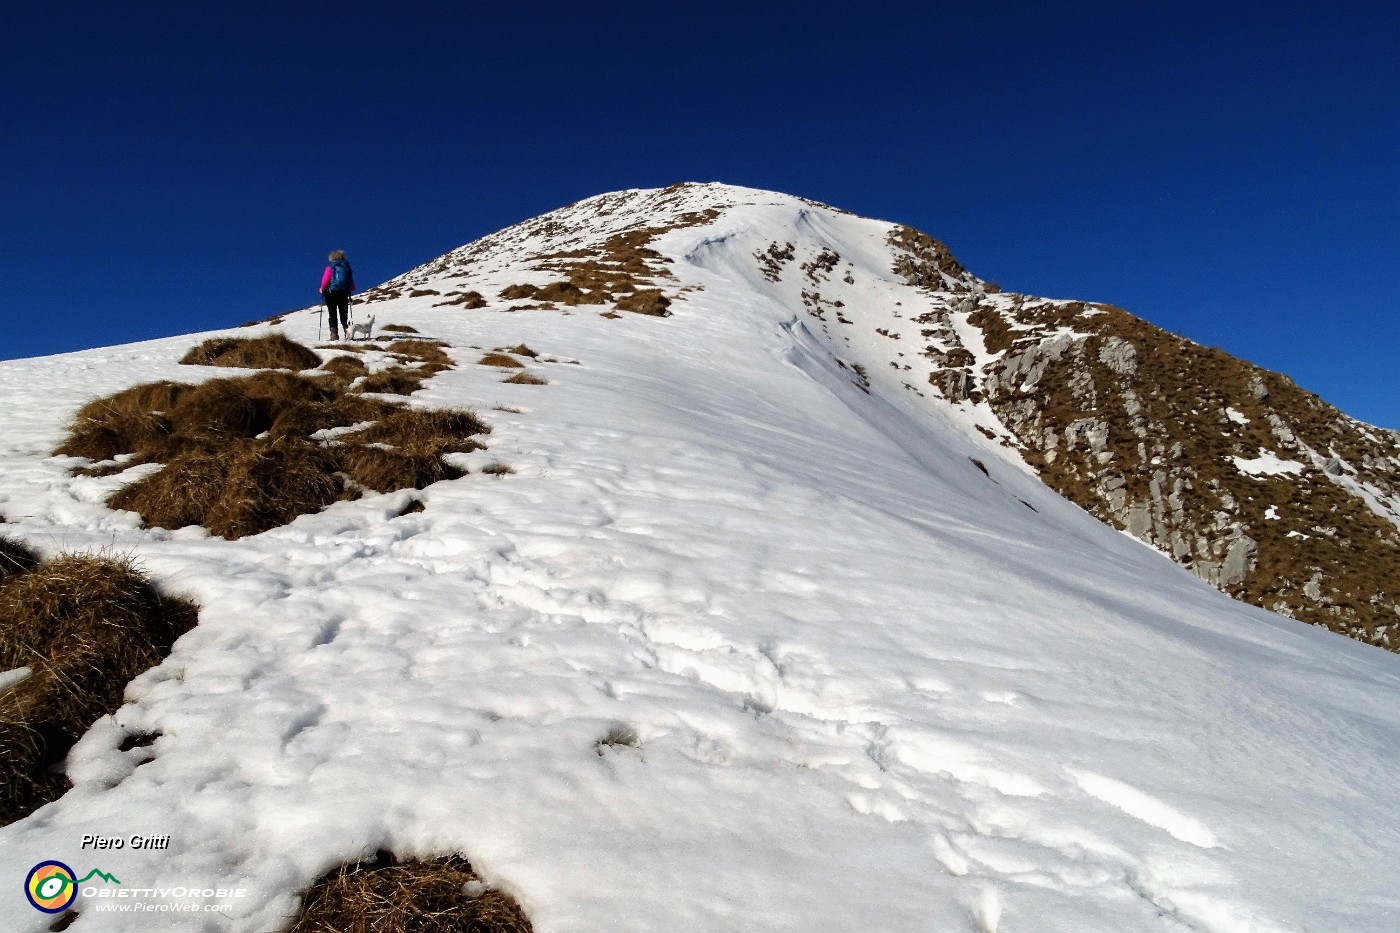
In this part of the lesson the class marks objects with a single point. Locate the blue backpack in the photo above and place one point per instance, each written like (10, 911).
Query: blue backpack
(342, 279)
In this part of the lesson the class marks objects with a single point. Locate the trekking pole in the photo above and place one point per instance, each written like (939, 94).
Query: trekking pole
(320, 312)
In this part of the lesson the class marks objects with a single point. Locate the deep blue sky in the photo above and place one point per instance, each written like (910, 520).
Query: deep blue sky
(1229, 171)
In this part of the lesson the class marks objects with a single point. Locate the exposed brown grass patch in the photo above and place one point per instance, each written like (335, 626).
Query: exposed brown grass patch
(132, 420)
(519, 349)
(645, 301)
(501, 360)
(85, 626)
(15, 558)
(273, 351)
(384, 895)
(269, 484)
(303, 419)
(242, 455)
(387, 470)
(393, 381)
(400, 328)
(772, 260)
(527, 379)
(272, 319)
(496, 468)
(180, 494)
(996, 332)
(468, 300)
(424, 430)
(347, 368)
(621, 271)
(429, 352)
(923, 261)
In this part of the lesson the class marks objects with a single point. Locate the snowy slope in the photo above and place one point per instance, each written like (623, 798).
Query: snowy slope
(873, 686)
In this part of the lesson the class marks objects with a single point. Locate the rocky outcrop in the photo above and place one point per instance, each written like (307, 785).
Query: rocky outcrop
(1258, 486)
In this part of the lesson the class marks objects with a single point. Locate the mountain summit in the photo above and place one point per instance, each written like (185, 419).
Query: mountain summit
(742, 598)
(1259, 487)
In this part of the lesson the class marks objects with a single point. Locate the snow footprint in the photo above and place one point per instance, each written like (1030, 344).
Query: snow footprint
(934, 754)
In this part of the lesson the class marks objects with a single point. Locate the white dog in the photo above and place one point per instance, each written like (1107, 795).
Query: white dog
(362, 330)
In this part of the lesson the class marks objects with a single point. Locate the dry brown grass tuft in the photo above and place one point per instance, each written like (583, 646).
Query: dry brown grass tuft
(132, 420)
(271, 319)
(424, 351)
(518, 292)
(180, 494)
(420, 430)
(273, 351)
(347, 368)
(15, 558)
(383, 895)
(502, 360)
(304, 419)
(269, 484)
(220, 409)
(645, 301)
(242, 455)
(468, 300)
(400, 328)
(394, 381)
(519, 349)
(85, 626)
(527, 379)
(387, 470)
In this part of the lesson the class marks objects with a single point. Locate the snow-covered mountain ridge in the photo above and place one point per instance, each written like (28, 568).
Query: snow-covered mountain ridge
(1156, 435)
(878, 674)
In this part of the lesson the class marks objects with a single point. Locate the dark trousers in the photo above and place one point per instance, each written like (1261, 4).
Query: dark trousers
(338, 304)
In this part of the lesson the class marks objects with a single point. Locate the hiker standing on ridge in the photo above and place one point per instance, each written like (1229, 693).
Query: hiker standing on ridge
(336, 285)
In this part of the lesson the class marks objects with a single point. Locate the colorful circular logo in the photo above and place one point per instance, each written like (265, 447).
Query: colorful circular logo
(51, 887)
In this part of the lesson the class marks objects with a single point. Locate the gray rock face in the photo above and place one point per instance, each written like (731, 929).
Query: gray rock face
(1024, 371)
(1119, 356)
(1143, 429)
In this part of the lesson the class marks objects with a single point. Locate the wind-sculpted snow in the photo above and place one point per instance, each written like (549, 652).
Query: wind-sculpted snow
(747, 641)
